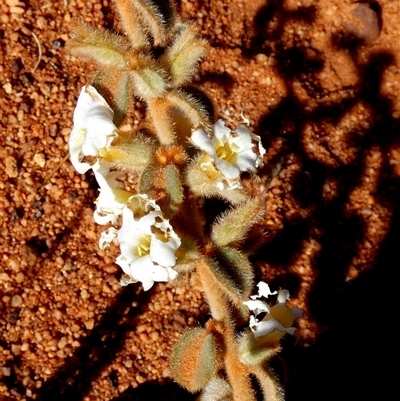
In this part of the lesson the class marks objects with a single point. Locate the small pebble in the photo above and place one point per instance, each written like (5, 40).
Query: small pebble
(62, 343)
(6, 371)
(261, 58)
(20, 277)
(15, 349)
(16, 301)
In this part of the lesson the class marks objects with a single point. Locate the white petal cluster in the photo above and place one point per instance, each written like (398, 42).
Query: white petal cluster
(147, 240)
(93, 131)
(230, 152)
(112, 199)
(276, 318)
(93, 128)
(148, 244)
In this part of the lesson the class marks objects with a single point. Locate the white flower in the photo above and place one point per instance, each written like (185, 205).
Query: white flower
(276, 320)
(148, 244)
(231, 152)
(93, 128)
(112, 199)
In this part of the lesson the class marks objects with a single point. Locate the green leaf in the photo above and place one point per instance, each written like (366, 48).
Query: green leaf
(147, 186)
(234, 273)
(105, 48)
(255, 352)
(157, 17)
(232, 226)
(121, 100)
(173, 187)
(193, 361)
(187, 254)
(131, 24)
(148, 83)
(132, 154)
(194, 109)
(183, 56)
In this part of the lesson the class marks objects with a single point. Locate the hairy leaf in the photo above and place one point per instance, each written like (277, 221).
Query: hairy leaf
(183, 56)
(193, 361)
(187, 255)
(121, 100)
(191, 107)
(173, 187)
(156, 16)
(148, 83)
(132, 26)
(255, 352)
(147, 181)
(132, 154)
(232, 226)
(105, 48)
(233, 272)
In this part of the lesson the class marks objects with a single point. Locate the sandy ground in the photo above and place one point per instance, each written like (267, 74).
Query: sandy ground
(320, 83)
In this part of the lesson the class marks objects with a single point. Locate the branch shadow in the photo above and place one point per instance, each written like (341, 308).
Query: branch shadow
(348, 360)
(73, 380)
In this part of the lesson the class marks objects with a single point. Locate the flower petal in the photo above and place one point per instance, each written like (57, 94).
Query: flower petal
(107, 237)
(246, 160)
(283, 296)
(244, 137)
(75, 143)
(216, 390)
(265, 327)
(231, 172)
(99, 124)
(112, 198)
(264, 290)
(93, 127)
(221, 131)
(142, 270)
(163, 253)
(203, 142)
(257, 306)
(297, 312)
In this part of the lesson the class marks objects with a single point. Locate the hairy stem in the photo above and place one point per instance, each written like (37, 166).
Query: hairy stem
(238, 373)
(215, 296)
(270, 387)
(162, 121)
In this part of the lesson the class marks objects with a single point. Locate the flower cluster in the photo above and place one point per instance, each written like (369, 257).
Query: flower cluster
(154, 63)
(228, 153)
(147, 240)
(270, 323)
